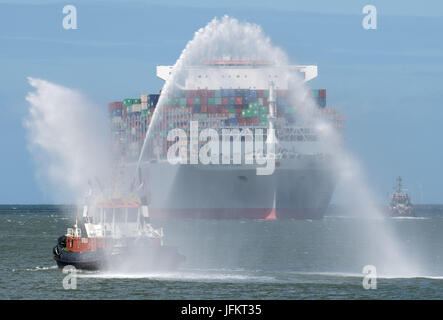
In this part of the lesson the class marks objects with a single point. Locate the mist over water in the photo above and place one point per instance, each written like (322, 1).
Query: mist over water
(71, 147)
(68, 137)
(230, 39)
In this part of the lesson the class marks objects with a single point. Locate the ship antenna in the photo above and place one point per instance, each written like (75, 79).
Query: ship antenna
(399, 184)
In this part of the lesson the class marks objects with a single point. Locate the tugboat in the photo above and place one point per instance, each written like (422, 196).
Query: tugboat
(400, 203)
(116, 235)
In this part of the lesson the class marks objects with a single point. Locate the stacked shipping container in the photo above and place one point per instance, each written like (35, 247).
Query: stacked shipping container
(212, 108)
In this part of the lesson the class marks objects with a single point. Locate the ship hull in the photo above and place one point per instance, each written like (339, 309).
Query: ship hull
(134, 258)
(294, 191)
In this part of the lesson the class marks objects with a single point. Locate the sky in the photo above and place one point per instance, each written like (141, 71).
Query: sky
(388, 81)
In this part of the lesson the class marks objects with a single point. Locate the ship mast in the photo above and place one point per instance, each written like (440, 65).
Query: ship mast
(272, 138)
(399, 184)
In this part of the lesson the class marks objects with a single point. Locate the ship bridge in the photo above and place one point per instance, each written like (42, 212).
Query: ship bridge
(239, 74)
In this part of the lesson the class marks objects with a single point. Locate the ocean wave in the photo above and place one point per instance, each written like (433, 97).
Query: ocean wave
(38, 268)
(182, 276)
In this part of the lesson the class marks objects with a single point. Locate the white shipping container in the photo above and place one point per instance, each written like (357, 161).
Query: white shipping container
(116, 120)
(144, 105)
(136, 108)
(144, 98)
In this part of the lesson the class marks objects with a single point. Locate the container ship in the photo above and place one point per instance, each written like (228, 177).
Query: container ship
(229, 94)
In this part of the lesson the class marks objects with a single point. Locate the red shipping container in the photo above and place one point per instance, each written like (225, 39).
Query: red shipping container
(211, 93)
(238, 100)
(260, 93)
(212, 109)
(114, 105)
(203, 108)
(322, 93)
(282, 93)
(225, 101)
(202, 93)
(189, 101)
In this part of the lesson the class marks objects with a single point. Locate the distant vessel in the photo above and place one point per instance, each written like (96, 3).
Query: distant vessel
(400, 202)
(115, 234)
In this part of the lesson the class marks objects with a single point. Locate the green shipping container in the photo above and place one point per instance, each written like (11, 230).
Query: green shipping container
(218, 100)
(127, 102)
(196, 100)
(178, 94)
(218, 93)
(290, 110)
(211, 101)
(253, 106)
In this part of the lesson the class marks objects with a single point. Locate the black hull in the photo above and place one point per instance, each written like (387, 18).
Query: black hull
(137, 259)
(83, 265)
